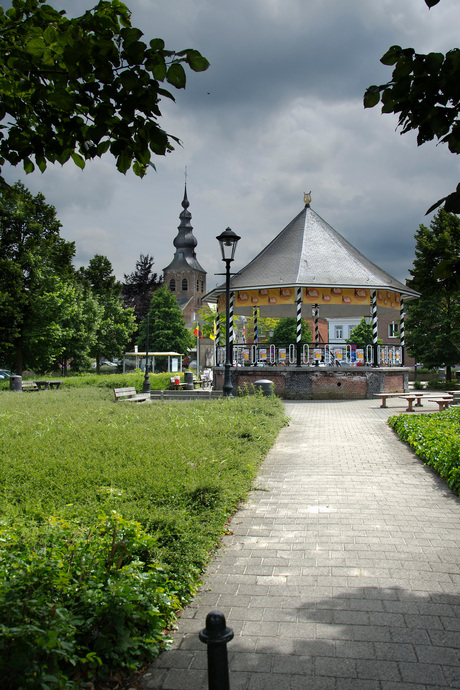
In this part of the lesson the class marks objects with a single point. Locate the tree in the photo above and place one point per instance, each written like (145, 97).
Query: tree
(361, 335)
(286, 332)
(425, 93)
(115, 325)
(31, 251)
(433, 320)
(62, 326)
(167, 330)
(77, 88)
(139, 286)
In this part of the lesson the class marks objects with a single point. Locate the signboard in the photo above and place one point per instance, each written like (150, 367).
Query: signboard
(336, 295)
(386, 298)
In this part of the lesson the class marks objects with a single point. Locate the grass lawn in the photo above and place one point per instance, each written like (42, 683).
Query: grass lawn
(109, 513)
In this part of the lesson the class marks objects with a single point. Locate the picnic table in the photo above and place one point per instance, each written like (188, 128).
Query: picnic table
(44, 385)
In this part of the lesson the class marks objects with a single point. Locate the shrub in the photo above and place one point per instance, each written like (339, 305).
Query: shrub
(440, 385)
(435, 438)
(76, 602)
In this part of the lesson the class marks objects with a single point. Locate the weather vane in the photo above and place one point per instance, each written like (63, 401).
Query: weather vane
(306, 198)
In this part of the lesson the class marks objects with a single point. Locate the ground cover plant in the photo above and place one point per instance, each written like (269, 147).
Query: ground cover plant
(109, 513)
(435, 438)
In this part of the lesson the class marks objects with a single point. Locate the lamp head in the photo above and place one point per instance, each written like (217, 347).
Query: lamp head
(228, 241)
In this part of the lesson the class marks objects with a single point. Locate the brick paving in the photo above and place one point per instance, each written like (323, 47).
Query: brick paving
(342, 571)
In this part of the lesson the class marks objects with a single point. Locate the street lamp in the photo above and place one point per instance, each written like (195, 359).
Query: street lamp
(146, 386)
(228, 241)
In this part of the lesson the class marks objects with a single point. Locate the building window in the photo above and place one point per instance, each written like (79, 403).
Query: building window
(202, 290)
(393, 330)
(197, 285)
(172, 285)
(338, 331)
(184, 284)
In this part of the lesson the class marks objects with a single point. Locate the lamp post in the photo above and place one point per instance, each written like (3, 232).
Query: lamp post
(228, 241)
(146, 386)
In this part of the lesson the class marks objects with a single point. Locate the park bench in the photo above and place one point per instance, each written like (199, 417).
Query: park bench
(130, 395)
(173, 386)
(29, 386)
(410, 399)
(443, 403)
(384, 397)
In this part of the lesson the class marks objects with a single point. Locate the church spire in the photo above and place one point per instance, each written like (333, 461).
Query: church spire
(185, 241)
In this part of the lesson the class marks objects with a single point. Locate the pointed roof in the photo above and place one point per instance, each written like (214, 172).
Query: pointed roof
(185, 242)
(310, 253)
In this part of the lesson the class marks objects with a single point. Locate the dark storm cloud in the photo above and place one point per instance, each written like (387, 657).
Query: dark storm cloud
(278, 113)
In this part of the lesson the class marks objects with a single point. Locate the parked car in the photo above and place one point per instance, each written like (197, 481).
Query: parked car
(5, 374)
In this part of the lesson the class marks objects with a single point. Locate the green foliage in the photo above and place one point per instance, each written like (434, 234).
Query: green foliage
(433, 320)
(361, 335)
(72, 597)
(115, 325)
(78, 88)
(32, 256)
(285, 332)
(167, 330)
(139, 286)
(423, 92)
(439, 385)
(93, 593)
(435, 438)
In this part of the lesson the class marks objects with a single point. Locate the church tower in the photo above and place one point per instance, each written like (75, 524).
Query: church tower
(184, 276)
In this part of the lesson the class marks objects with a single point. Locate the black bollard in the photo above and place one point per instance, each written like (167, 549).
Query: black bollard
(216, 635)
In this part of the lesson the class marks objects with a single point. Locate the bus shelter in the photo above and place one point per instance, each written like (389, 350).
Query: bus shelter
(136, 360)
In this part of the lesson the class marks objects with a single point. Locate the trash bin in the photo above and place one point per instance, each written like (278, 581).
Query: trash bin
(16, 383)
(266, 386)
(188, 378)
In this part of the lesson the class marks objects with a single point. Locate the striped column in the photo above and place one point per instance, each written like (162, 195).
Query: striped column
(230, 331)
(256, 326)
(298, 300)
(316, 324)
(401, 323)
(375, 321)
(217, 337)
(401, 331)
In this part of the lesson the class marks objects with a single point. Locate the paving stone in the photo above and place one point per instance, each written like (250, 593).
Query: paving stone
(343, 573)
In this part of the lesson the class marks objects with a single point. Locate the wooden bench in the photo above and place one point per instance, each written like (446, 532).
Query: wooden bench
(130, 395)
(29, 386)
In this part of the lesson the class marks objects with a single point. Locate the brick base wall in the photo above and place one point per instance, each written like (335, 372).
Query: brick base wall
(292, 383)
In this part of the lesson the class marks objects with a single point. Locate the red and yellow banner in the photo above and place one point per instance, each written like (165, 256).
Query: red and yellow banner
(311, 295)
(387, 298)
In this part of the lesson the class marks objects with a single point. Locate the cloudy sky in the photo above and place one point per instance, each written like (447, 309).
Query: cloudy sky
(278, 113)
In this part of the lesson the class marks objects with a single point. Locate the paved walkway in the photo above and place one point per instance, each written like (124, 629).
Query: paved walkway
(342, 570)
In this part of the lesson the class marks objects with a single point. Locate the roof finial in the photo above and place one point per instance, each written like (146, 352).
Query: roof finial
(185, 202)
(307, 198)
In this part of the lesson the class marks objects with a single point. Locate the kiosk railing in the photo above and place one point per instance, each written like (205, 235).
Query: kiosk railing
(311, 354)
